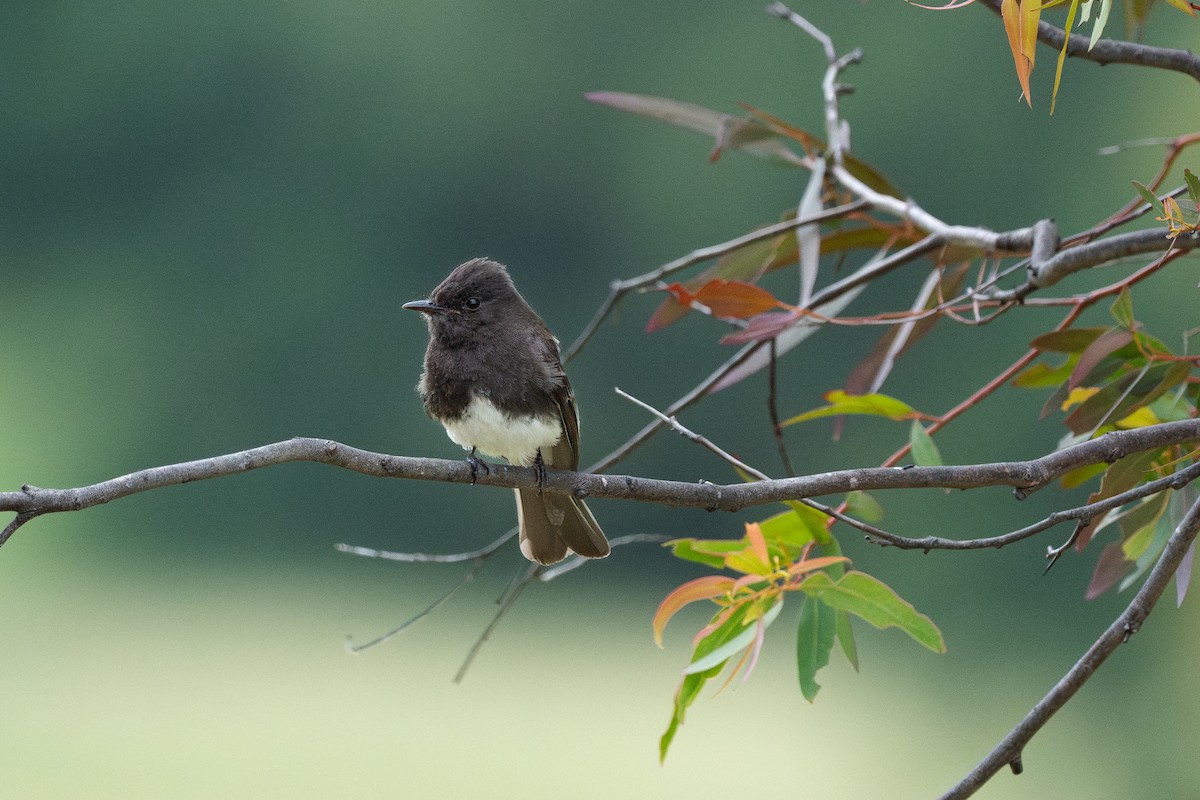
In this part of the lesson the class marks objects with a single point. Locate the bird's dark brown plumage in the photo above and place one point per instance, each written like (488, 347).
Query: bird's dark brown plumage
(493, 377)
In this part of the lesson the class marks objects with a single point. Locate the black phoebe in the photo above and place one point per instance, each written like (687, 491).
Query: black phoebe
(494, 379)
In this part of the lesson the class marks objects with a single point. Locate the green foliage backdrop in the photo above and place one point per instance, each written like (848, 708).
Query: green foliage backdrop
(209, 215)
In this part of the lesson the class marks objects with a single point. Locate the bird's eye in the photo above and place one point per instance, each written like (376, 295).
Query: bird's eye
(472, 303)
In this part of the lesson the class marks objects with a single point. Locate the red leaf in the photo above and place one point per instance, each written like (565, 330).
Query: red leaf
(764, 326)
(669, 312)
(681, 293)
(1104, 345)
(1110, 568)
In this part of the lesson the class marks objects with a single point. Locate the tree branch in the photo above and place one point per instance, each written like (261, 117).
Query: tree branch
(1008, 751)
(1024, 476)
(1049, 271)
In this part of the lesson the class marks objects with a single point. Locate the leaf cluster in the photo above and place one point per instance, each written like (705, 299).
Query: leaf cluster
(776, 557)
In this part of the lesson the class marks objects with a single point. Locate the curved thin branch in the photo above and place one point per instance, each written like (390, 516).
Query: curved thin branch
(1008, 751)
(428, 558)
(1082, 513)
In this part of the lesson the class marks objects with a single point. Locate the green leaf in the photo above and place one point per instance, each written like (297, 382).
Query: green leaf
(814, 641)
(925, 453)
(1081, 475)
(737, 644)
(874, 601)
(1122, 309)
(1125, 395)
(1126, 473)
(726, 131)
(880, 405)
(1071, 340)
(1193, 185)
(710, 552)
(864, 506)
(690, 686)
(795, 528)
(1042, 375)
(1147, 195)
(1171, 408)
(845, 636)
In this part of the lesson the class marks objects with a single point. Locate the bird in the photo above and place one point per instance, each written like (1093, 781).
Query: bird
(494, 379)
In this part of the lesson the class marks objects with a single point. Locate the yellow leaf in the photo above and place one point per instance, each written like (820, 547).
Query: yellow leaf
(1182, 5)
(1078, 395)
(1141, 418)
(1062, 54)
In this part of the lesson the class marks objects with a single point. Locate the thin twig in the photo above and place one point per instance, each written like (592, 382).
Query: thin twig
(436, 558)
(1082, 513)
(773, 413)
(619, 289)
(695, 438)
(506, 604)
(575, 562)
(463, 581)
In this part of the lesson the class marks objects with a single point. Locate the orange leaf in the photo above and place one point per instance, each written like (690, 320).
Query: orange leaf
(812, 564)
(725, 298)
(705, 588)
(757, 542)
(1014, 18)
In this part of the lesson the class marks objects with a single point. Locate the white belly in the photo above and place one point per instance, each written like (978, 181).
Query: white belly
(487, 428)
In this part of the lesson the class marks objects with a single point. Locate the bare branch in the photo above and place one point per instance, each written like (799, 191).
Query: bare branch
(428, 558)
(434, 606)
(696, 438)
(547, 574)
(1066, 262)
(1082, 513)
(1008, 751)
(1024, 476)
(506, 603)
(838, 133)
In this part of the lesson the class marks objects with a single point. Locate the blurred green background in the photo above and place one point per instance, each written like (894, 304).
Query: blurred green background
(210, 214)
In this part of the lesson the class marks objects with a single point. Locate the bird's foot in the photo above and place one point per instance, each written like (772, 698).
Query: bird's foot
(477, 464)
(539, 471)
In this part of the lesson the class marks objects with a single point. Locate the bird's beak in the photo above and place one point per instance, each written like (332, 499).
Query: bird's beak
(427, 306)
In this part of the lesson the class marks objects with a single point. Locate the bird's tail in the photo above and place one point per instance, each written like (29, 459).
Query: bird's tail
(552, 524)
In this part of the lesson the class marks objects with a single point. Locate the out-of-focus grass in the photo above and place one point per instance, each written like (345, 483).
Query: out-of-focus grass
(119, 684)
